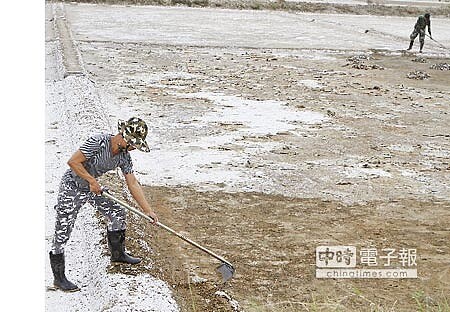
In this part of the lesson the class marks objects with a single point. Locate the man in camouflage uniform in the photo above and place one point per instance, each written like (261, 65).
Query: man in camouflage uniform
(419, 29)
(98, 155)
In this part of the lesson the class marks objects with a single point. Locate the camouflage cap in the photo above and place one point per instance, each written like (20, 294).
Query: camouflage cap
(134, 131)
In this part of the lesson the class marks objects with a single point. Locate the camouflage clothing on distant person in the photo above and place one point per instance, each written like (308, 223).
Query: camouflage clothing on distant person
(419, 29)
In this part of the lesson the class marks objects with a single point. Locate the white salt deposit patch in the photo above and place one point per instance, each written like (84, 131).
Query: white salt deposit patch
(206, 159)
(248, 28)
(234, 304)
(150, 78)
(437, 152)
(408, 173)
(310, 83)
(164, 86)
(402, 148)
(198, 162)
(367, 173)
(308, 54)
(258, 117)
(212, 141)
(183, 165)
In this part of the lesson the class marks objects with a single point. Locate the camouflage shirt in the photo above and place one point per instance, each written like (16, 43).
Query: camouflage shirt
(99, 160)
(422, 23)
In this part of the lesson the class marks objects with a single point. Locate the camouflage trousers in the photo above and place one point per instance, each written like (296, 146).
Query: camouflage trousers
(70, 200)
(420, 32)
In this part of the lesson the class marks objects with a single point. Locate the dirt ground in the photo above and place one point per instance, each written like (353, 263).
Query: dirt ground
(375, 175)
(271, 241)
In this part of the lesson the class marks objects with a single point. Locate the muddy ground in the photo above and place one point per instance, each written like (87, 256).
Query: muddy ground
(271, 241)
(376, 174)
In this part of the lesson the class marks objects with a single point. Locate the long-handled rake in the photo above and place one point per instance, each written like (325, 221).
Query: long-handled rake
(442, 46)
(226, 268)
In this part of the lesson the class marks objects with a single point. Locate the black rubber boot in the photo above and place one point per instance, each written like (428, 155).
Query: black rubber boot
(410, 45)
(421, 46)
(116, 242)
(57, 263)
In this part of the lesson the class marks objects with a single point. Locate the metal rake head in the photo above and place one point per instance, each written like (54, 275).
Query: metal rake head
(227, 271)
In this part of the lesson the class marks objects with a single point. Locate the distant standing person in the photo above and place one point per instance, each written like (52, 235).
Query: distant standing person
(419, 29)
(79, 185)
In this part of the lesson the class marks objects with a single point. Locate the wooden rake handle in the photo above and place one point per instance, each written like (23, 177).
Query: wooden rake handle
(105, 192)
